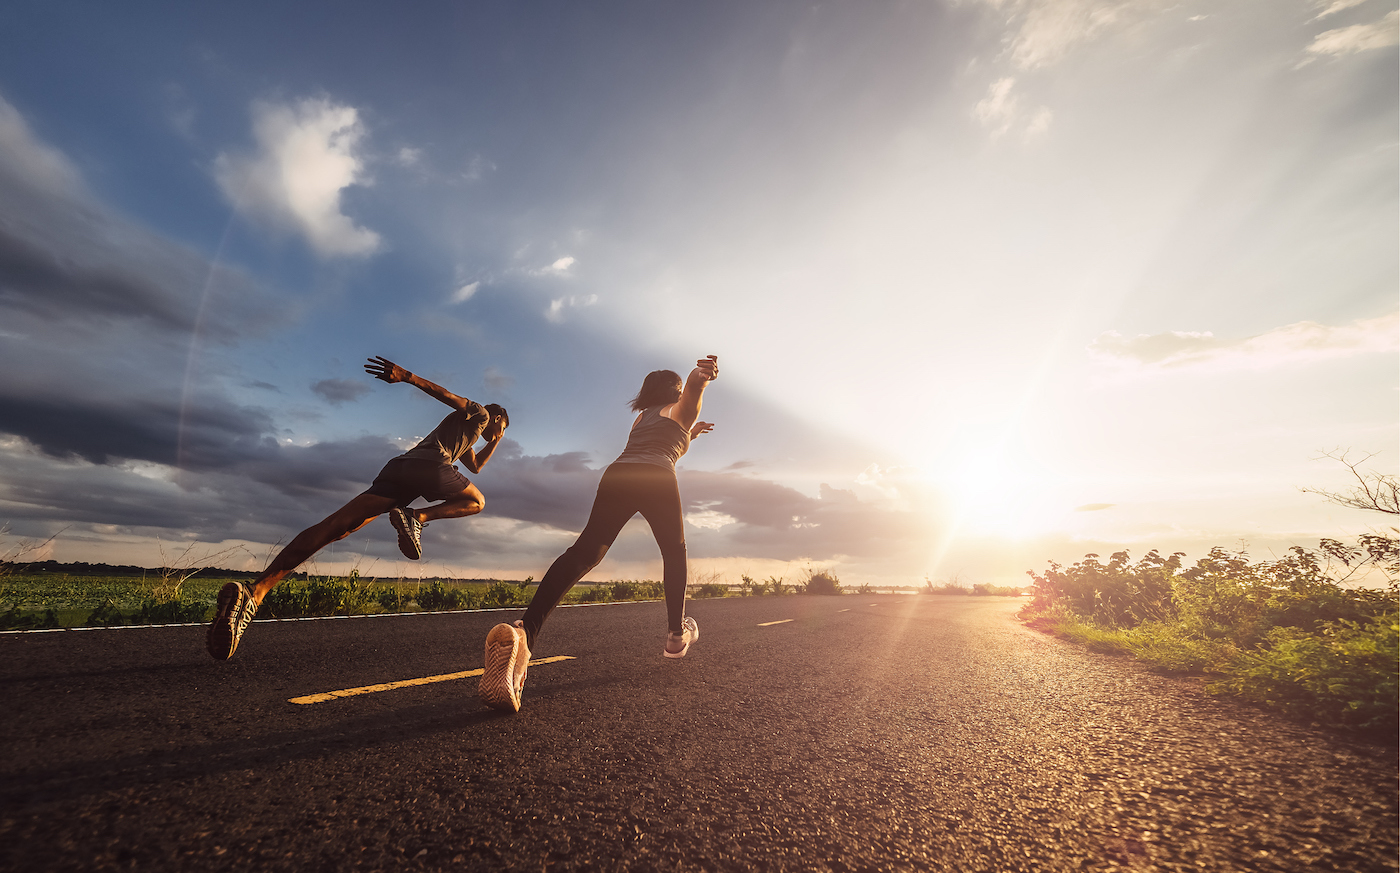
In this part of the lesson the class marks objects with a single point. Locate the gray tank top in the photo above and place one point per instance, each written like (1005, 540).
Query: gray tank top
(655, 439)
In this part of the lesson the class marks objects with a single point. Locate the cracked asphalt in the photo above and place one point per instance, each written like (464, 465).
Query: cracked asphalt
(866, 733)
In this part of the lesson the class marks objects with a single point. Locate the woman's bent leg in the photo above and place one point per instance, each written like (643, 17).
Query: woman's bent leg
(611, 509)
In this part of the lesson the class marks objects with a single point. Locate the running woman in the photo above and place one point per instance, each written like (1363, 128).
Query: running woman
(426, 470)
(642, 479)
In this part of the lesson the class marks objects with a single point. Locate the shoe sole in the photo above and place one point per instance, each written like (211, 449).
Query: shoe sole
(497, 686)
(221, 641)
(399, 519)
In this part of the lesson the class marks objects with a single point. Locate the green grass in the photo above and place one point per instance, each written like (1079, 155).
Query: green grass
(29, 602)
(1286, 633)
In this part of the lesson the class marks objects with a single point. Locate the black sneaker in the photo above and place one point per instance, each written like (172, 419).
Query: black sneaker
(410, 532)
(235, 610)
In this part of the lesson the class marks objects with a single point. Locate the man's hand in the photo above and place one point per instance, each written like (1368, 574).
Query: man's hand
(386, 370)
(701, 427)
(708, 367)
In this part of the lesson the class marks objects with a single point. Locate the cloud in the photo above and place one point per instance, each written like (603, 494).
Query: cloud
(1356, 38)
(306, 156)
(65, 258)
(1001, 110)
(1044, 31)
(1335, 6)
(1303, 342)
(338, 391)
(1094, 507)
(495, 380)
(560, 267)
(555, 312)
(464, 293)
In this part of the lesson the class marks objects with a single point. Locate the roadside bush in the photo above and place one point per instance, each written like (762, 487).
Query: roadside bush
(326, 596)
(1286, 633)
(14, 619)
(710, 589)
(1116, 594)
(393, 598)
(105, 615)
(1345, 674)
(172, 611)
(822, 583)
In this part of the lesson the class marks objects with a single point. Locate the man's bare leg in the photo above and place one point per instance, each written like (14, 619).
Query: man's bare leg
(349, 518)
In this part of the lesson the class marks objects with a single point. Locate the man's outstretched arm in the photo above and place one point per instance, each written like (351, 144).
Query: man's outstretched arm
(386, 370)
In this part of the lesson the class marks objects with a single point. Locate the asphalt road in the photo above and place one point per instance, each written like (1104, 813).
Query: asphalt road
(867, 733)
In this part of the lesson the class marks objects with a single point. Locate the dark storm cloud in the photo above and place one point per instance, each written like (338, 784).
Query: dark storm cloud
(139, 430)
(64, 257)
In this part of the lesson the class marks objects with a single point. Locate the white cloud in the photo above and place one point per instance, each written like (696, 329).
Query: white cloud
(708, 518)
(1303, 342)
(1335, 6)
(998, 109)
(1044, 31)
(555, 312)
(306, 156)
(561, 267)
(408, 157)
(1001, 110)
(1357, 38)
(464, 293)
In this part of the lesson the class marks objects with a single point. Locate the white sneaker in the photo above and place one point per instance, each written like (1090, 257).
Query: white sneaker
(678, 644)
(503, 676)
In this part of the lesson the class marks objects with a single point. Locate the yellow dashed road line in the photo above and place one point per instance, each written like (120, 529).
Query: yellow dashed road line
(768, 623)
(406, 683)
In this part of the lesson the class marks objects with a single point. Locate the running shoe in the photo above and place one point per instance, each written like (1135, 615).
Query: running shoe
(503, 676)
(234, 611)
(678, 644)
(410, 532)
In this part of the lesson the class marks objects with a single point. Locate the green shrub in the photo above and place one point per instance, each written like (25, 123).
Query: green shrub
(14, 619)
(710, 589)
(822, 583)
(1287, 633)
(171, 611)
(326, 596)
(105, 615)
(1345, 674)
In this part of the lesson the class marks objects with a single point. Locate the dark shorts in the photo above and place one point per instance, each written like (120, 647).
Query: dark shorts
(404, 479)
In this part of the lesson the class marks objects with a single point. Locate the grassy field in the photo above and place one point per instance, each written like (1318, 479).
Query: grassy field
(35, 601)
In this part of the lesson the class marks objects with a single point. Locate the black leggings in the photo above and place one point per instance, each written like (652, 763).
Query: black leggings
(625, 490)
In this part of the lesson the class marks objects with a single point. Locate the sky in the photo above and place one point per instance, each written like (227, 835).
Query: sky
(992, 283)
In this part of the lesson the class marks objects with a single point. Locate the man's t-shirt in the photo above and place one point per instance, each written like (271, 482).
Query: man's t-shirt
(458, 432)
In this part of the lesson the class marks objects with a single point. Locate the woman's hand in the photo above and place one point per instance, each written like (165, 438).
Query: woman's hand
(386, 370)
(701, 427)
(708, 367)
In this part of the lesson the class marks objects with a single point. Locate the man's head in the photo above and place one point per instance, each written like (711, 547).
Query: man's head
(500, 420)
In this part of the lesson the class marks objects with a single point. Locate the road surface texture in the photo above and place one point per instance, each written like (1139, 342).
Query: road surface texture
(854, 733)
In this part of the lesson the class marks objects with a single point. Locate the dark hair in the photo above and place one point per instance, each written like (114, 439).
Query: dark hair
(658, 388)
(496, 409)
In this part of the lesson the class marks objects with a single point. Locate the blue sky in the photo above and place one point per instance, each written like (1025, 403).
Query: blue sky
(992, 282)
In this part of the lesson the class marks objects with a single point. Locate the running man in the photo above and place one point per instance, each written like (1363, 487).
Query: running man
(426, 470)
(642, 479)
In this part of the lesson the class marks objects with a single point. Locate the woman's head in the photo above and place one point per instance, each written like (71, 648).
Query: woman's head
(659, 388)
